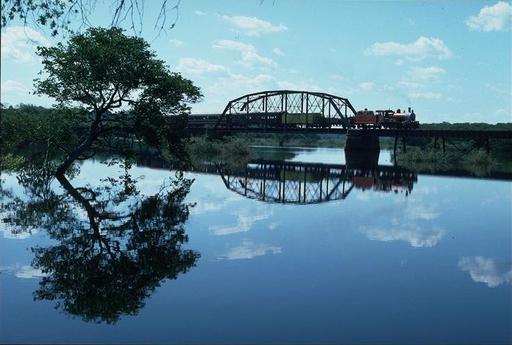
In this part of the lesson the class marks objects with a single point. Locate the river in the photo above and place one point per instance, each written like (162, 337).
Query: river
(292, 247)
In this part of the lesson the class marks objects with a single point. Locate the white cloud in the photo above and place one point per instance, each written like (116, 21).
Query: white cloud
(413, 234)
(198, 66)
(249, 250)
(367, 85)
(200, 13)
(498, 89)
(426, 74)
(278, 51)
(253, 26)
(13, 86)
(420, 49)
(492, 18)
(408, 84)
(19, 43)
(176, 42)
(299, 85)
(502, 112)
(232, 85)
(486, 270)
(248, 53)
(424, 95)
(337, 77)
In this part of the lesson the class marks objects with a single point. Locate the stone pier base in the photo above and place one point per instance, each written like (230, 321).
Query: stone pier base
(362, 151)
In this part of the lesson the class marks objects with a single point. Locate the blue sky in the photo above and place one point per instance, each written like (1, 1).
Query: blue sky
(450, 61)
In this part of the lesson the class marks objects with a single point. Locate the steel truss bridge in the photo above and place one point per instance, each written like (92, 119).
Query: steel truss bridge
(280, 111)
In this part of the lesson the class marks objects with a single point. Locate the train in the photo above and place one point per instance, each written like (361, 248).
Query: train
(389, 119)
(365, 119)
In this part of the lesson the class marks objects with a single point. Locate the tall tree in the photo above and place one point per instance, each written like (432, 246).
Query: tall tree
(125, 89)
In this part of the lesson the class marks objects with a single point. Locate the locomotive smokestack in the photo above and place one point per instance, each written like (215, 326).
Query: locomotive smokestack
(409, 109)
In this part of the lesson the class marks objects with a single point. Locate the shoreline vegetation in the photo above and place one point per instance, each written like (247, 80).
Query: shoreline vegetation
(28, 128)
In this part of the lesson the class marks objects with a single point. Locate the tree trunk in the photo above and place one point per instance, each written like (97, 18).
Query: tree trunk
(84, 146)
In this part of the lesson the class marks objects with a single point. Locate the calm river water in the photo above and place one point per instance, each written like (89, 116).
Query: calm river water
(276, 252)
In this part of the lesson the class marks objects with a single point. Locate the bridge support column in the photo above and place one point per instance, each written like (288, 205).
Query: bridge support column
(362, 150)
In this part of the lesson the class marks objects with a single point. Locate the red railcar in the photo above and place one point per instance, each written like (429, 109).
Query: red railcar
(384, 119)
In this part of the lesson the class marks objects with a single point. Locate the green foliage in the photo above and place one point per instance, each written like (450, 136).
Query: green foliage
(26, 125)
(127, 92)
(63, 15)
(228, 149)
(50, 13)
(471, 159)
(11, 162)
(294, 140)
(467, 125)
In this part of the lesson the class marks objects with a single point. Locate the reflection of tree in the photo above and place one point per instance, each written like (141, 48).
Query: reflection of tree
(106, 263)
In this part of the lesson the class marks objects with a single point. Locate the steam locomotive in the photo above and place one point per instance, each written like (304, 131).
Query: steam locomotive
(384, 119)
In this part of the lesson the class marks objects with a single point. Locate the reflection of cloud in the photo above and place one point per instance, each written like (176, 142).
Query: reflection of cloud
(486, 270)
(246, 219)
(28, 272)
(16, 233)
(420, 211)
(363, 196)
(25, 271)
(249, 250)
(415, 235)
(273, 225)
(204, 206)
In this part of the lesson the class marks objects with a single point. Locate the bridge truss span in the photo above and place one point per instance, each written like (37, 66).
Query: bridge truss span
(284, 109)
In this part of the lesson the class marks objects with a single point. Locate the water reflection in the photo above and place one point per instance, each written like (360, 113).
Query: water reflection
(310, 183)
(373, 253)
(487, 270)
(112, 246)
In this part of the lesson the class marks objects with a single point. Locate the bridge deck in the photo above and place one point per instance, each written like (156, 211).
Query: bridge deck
(418, 133)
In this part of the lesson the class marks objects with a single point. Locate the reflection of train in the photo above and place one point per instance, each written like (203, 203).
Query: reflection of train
(384, 119)
(386, 183)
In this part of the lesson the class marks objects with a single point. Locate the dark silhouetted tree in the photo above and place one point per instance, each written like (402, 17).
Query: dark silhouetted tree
(127, 92)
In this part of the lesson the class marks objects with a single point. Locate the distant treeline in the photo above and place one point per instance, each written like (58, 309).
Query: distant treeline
(467, 126)
(24, 125)
(30, 125)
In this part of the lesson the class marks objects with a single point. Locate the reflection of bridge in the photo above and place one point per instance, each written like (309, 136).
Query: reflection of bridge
(309, 183)
(287, 111)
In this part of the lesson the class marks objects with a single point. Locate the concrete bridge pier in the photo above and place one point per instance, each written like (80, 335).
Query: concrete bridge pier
(362, 150)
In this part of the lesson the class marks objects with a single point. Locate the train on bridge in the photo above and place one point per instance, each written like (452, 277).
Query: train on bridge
(366, 119)
(289, 109)
(388, 119)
